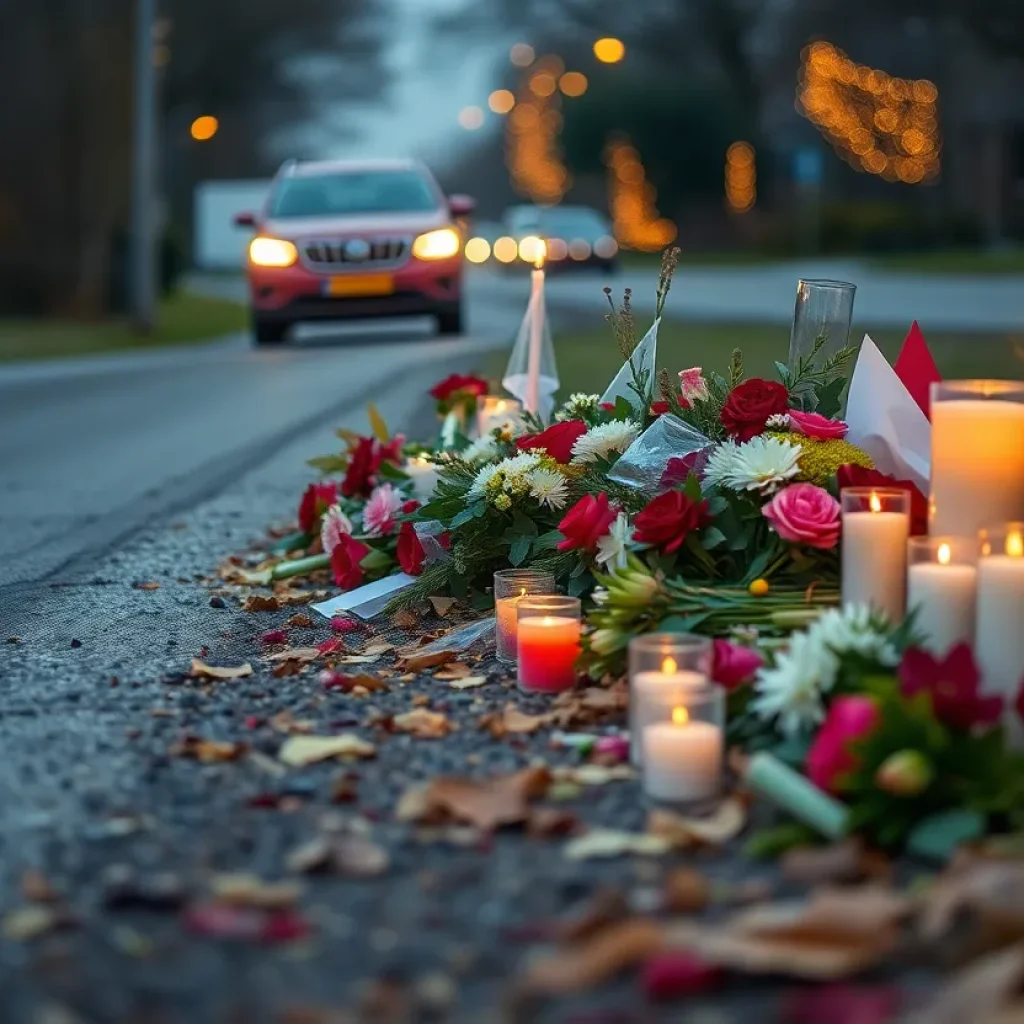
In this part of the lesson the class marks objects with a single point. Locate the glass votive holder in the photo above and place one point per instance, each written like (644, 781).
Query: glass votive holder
(942, 585)
(876, 526)
(999, 627)
(548, 642)
(977, 457)
(683, 751)
(823, 309)
(493, 411)
(510, 587)
(661, 666)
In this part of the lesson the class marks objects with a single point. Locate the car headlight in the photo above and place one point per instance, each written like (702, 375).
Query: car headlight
(272, 252)
(437, 245)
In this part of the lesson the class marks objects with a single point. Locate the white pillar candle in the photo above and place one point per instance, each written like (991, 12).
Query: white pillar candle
(651, 696)
(682, 759)
(423, 474)
(941, 594)
(1000, 624)
(977, 469)
(874, 555)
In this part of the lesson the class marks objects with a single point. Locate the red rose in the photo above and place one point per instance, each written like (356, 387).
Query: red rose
(586, 523)
(830, 759)
(750, 405)
(812, 424)
(858, 476)
(557, 440)
(365, 460)
(952, 683)
(679, 467)
(345, 562)
(659, 408)
(409, 550)
(469, 385)
(316, 500)
(667, 519)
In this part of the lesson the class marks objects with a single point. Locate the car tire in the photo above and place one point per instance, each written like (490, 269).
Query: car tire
(268, 332)
(450, 320)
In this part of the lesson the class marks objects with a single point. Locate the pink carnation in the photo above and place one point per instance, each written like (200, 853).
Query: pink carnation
(692, 384)
(830, 759)
(733, 665)
(335, 525)
(811, 424)
(379, 514)
(805, 514)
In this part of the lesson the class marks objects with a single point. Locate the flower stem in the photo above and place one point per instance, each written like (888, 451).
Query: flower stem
(300, 566)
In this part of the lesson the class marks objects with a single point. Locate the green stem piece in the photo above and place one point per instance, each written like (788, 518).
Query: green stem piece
(796, 794)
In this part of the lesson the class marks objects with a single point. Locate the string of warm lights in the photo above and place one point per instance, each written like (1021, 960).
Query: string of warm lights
(877, 123)
(635, 218)
(740, 177)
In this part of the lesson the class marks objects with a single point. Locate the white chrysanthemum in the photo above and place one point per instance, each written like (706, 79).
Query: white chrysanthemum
(791, 690)
(513, 472)
(855, 629)
(521, 463)
(599, 442)
(549, 487)
(613, 547)
(577, 406)
(482, 479)
(778, 421)
(762, 464)
(482, 449)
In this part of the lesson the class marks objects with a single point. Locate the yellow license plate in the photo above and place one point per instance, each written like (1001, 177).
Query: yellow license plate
(359, 285)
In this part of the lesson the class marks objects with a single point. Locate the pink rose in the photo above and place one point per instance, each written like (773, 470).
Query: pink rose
(692, 384)
(733, 665)
(830, 759)
(381, 511)
(811, 424)
(805, 514)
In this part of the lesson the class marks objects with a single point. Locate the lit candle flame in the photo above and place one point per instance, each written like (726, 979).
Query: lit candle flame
(548, 620)
(668, 666)
(943, 555)
(522, 591)
(1015, 544)
(875, 504)
(680, 716)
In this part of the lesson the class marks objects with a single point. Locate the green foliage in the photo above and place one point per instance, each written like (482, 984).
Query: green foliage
(814, 386)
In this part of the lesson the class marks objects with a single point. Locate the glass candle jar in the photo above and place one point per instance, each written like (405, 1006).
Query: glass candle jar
(493, 411)
(977, 466)
(876, 526)
(1000, 621)
(942, 582)
(824, 309)
(683, 750)
(661, 666)
(548, 642)
(510, 587)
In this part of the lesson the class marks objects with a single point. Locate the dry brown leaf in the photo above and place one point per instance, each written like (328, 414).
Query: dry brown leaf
(846, 861)
(260, 603)
(992, 889)
(245, 890)
(725, 823)
(352, 856)
(837, 933)
(442, 605)
(595, 774)
(456, 670)
(606, 907)
(551, 821)
(37, 888)
(290, 597)
(300, 620)
(200, 670)
(378, 648)
(588, 964)
(207, 751)
(511, 719)
(988, 990)
(406, 618)
(608, 842)
(468, 682)
(421, 662)
(285, 722)
(301, 655)
(148, 585)
(422, 723)
(358, 659)
(367, 682)
(686, 891)
(298, 751)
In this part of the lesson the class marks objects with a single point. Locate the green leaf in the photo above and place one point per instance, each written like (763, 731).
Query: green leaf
(523, 524)
(329, 463)
(377, 424)
(463, 517)
(691, 487)
(829, 397)
(389, 471)
(771, 842)
(712, 538)
(579, 584)
(938, 837)
(548, 541)
(520, 550)
(783, 371)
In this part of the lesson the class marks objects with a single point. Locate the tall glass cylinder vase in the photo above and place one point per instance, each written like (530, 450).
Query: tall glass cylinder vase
(824, 310)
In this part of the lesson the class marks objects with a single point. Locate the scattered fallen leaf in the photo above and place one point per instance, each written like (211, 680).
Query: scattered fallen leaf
(260, 603)
(468, 682)
(304, 655)
(512, 720)
(442, 605)
(298, 751)
(27, 923)
(290, 597)
(378, 648)
(587, 964)
(285, 722)
(595, 774)
(207, 751)
(420, 662)
(726, 822)
(345, 683)
(351, 856)
(200, 670)
(551, 821)
(246, 890)
(148, 585)
(843, 862)
(990, 989)
(606, 907)
(422, 723)
(606, 842)
(406, 618)
(358, 659)
(455, 670)
(37, 888)
(300, 620)
(991, 889)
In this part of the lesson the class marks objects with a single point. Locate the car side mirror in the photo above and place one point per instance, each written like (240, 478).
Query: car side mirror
(461, 206)
(245, 220)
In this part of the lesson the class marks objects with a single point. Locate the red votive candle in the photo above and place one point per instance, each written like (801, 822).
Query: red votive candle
(548, 643)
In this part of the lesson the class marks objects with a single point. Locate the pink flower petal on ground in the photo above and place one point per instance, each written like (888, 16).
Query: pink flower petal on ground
(671, 975)
(275, 636)
(342, 625)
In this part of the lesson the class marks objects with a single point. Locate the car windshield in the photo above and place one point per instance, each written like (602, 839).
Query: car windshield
(352, 192)
(569, 223)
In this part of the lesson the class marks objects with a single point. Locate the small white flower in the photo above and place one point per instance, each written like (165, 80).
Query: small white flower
(613, 547)
(482, 449)
(577, 406)
(521, 463)
(513, 471)
(599, 442)
(791, 690)
(482, 479)
(549, 487)
(762, 464)
(855, 629)
(778, 421)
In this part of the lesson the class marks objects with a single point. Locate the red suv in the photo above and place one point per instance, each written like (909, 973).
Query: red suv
(355, 239)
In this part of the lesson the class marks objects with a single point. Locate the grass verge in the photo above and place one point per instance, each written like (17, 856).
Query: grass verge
(182, 319)
(955, 261)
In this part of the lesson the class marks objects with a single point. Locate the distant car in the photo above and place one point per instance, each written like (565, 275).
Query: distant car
(338, 239)
(574, 235)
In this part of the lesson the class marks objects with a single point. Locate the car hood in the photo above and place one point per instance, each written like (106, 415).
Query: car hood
(359, 224)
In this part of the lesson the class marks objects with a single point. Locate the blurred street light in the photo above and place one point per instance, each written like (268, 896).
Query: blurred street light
(521, 55)
(543, 84)
(505, 249)
(501, 101)
(573, 83)
(471, 118)
(204, 128)
(478, 250)
(609, 50)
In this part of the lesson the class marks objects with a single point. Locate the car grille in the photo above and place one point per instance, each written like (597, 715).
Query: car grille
(355, 253)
